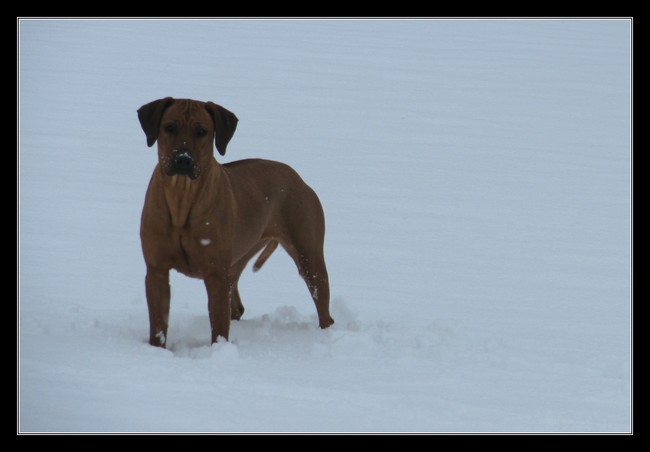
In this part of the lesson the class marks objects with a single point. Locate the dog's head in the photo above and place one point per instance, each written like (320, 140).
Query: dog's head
(185, 130)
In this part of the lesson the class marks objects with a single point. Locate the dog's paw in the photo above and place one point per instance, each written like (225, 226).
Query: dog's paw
(326, 323)
(236, 312)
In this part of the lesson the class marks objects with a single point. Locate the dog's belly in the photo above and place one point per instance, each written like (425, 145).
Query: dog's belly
(184, 260)
(193, 255)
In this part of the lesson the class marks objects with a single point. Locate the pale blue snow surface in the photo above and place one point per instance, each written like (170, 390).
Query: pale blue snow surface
(475, 177)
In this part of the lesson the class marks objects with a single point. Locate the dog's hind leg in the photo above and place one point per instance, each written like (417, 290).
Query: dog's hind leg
(236, 306)
(311, 266)
(314, 272)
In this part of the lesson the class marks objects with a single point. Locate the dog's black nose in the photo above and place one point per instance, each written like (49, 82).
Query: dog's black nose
(183, 163)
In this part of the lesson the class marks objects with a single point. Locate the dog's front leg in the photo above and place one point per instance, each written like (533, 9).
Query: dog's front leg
(218, 287)
(157, 288)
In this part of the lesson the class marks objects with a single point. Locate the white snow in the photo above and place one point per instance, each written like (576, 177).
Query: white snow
(161, 336)
(475, 177)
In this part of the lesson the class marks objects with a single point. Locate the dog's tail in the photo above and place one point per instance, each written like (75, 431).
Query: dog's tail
(265, 254)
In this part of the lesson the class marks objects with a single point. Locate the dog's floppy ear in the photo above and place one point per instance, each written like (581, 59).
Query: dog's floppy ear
(225, 123)
(150, 115)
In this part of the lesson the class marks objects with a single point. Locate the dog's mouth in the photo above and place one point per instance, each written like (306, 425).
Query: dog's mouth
(181, 163)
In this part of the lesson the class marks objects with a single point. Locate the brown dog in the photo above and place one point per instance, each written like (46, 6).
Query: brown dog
(207, 220)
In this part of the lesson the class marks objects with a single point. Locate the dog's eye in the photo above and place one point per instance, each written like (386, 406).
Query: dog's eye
(200, 131)
(170, 128)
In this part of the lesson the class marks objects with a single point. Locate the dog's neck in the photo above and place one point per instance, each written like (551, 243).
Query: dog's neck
(181, 194)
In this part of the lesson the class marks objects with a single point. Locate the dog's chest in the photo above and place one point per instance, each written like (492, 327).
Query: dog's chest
(197, 248)
(179, 195)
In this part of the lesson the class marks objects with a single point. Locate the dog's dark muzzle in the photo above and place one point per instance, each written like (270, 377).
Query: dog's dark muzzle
(182, 163)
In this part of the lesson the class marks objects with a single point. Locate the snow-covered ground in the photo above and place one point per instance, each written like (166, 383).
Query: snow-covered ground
(475, 177)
